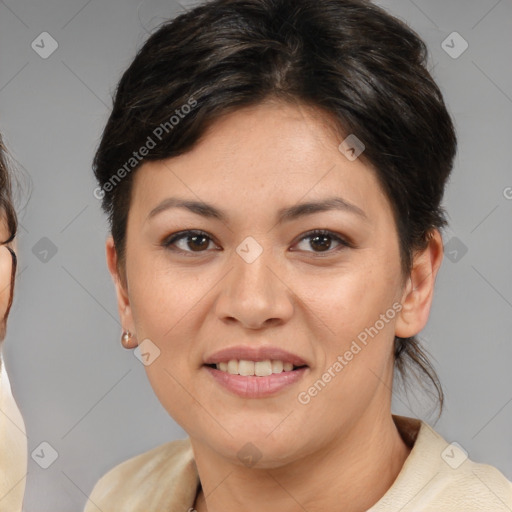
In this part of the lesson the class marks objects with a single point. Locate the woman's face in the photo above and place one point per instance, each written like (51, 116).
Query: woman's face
(256, 283)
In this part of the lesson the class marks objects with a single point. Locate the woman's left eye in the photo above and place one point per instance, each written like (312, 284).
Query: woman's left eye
(320, 237)
(198, 241)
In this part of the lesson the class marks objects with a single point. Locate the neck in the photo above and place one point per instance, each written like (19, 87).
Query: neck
(352, 473)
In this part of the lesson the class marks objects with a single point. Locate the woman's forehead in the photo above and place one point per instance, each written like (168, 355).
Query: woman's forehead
(262, 148)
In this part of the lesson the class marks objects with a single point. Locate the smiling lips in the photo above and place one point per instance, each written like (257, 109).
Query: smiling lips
(255, 372)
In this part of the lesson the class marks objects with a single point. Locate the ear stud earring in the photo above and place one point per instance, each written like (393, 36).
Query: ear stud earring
(125, 338)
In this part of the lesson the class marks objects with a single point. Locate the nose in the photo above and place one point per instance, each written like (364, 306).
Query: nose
(255, 293)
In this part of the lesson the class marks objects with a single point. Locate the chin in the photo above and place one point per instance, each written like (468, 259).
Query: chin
(256, 449)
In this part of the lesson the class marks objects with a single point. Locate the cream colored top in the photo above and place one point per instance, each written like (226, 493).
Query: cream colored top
(13, 448)
(436, 477)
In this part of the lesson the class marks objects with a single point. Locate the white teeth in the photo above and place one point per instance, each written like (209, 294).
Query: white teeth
(258, 368)
(233, 366)
(277, 366)
(263, 368)
(245, 367)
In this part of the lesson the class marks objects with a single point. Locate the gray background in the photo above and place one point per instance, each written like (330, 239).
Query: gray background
(89, 398)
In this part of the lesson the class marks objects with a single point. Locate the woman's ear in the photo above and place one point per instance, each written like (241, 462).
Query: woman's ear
(123, 301)
(419, 290)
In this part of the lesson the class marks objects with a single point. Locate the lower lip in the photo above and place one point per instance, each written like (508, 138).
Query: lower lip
(256, 387)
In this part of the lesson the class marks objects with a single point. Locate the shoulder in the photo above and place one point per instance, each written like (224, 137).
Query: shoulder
(473, 485)
(158, 479)
(463, 481)
(439, 475)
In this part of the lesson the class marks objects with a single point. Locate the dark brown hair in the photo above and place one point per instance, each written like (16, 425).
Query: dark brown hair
(348, 58)
(7, 215)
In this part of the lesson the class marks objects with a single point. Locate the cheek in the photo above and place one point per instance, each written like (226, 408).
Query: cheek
(162, 299)
(358, 309)
(350, 301)
(356, 354)
(164, 309)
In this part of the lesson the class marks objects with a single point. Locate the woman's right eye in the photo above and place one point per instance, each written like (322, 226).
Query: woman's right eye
(191, 241)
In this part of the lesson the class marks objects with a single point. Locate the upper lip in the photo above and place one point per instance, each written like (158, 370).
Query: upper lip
(254, 354)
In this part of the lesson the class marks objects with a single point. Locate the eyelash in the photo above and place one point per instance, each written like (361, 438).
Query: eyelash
(169, 241)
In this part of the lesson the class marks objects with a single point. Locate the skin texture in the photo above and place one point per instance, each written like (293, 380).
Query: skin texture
(314, 303)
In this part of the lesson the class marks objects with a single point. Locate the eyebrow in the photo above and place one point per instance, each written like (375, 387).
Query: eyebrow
(283, 215)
